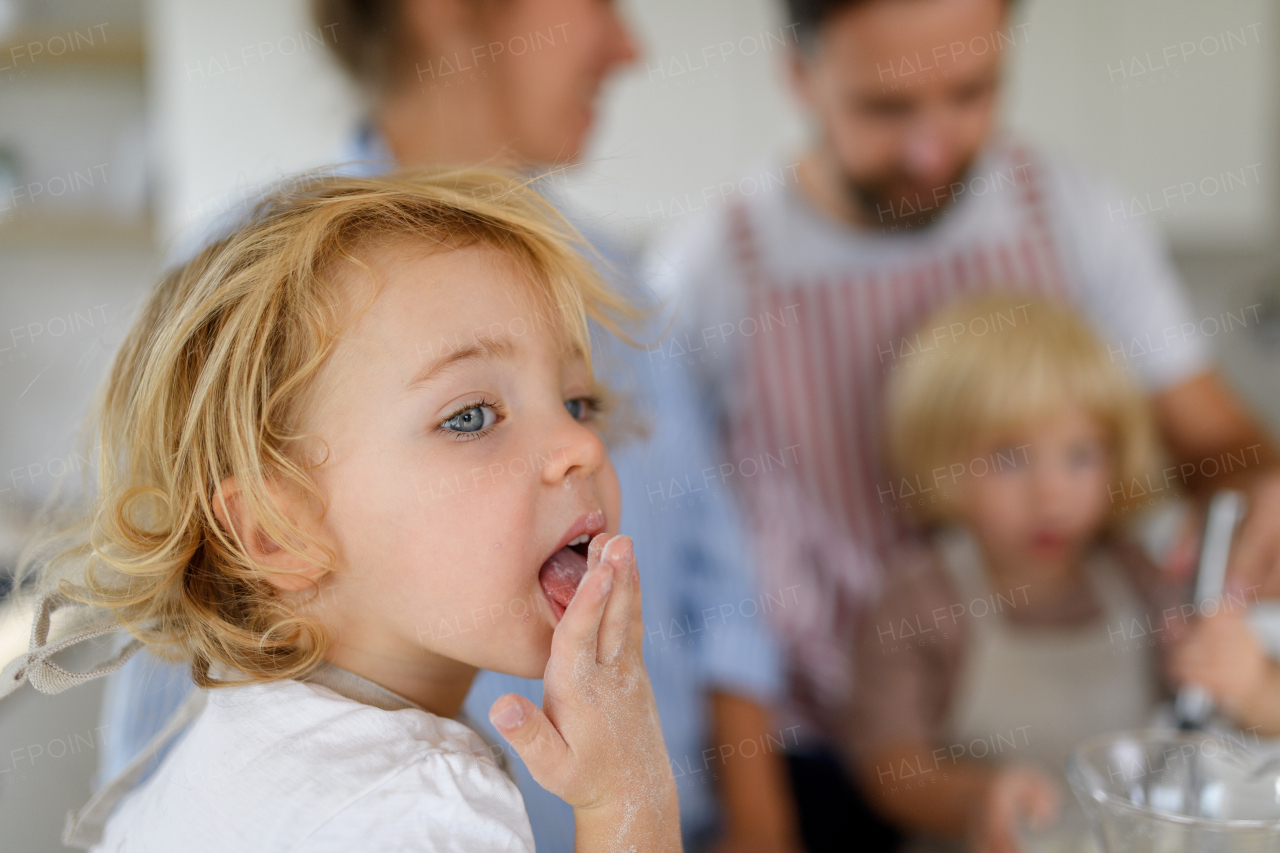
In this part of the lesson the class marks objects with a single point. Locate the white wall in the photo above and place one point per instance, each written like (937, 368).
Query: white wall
(242, 93)
(705, 104)
(1095, 81)
(666, 134)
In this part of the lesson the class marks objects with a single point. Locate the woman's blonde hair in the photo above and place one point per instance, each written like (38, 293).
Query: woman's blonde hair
(211, 382)
(999, 362)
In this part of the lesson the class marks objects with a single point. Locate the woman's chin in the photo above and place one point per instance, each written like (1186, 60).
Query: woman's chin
(574, 130)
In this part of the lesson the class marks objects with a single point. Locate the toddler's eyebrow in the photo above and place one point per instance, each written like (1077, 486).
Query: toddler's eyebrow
(479, 349)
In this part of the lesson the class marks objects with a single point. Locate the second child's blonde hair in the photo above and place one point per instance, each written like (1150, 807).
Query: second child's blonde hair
(1000, 362)
(213, 380)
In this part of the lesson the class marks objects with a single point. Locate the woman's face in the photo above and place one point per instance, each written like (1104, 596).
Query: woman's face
(552, 90)
(540, 64)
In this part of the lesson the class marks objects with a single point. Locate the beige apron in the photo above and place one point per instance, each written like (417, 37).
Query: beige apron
(1029, 695)
(1032, 694)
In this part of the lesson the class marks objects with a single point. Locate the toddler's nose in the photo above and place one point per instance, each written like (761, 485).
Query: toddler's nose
(577, 450)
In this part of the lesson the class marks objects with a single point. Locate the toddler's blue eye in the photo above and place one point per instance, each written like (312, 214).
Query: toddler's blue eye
(472, 419)
(579, 408)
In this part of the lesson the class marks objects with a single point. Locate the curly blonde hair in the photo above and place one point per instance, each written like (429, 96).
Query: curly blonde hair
(1002, 361)
(211, 382)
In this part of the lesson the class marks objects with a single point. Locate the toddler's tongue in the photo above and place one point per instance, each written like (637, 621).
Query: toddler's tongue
(561, 574)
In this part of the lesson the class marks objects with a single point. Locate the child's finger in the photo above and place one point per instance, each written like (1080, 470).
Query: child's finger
(616, 622)
(532, 736)
(577, 634)
(1042, 806)
(595, 547)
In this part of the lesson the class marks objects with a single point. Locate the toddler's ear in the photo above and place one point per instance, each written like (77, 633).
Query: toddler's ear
(290, 572)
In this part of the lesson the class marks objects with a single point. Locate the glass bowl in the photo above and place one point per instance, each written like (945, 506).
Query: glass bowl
(1173, 792)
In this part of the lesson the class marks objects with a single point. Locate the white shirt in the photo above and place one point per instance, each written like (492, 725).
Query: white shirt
(293, 766)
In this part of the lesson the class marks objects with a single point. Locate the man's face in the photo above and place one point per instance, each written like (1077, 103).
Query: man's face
(905, 94)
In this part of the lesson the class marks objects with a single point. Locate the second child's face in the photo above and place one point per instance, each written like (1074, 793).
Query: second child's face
(1044, 496)
(461, 455)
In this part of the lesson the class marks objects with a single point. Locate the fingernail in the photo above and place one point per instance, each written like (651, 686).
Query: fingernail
(509, 717)
(596, 549)
(614, 551)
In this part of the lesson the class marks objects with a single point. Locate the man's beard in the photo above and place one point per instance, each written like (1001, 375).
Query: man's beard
(891, 204)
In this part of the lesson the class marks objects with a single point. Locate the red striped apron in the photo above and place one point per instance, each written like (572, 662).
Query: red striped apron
(813, 387)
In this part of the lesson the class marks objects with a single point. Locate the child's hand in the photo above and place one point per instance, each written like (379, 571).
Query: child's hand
(1013, 795)
(596, 743)
(1221, 655)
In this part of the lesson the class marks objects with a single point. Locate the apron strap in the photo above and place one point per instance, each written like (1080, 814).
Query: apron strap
(348, 684)
(37, 665)
(84, 827)
(362, 690)
(962, 561)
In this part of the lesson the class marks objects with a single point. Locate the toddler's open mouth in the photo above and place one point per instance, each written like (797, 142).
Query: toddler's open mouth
(564, 569)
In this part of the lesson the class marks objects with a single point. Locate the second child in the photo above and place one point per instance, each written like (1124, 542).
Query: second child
(999, 641)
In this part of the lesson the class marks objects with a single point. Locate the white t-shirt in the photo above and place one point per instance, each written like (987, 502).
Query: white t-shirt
(790, 323)
(293, 766)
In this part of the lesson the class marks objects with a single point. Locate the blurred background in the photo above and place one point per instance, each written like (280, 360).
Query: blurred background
(126, 124)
